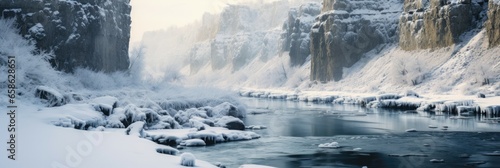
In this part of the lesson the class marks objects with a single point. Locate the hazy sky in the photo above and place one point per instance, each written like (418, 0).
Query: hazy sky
(148, 15)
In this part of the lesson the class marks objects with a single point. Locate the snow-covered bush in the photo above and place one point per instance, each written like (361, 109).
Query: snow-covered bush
(136, 66)
(100, 80)
(409, 70)
(188, 159)
(32, 66)
(482, 74)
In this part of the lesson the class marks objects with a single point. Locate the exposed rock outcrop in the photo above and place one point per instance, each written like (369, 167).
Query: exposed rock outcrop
(493, 24)
(346, 30)
(81, 33)
(438, 23)
(296, 32)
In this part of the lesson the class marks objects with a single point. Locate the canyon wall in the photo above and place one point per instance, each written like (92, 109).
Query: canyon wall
(91, 34)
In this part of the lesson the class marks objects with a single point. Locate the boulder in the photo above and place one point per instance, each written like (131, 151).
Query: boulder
(51, 96)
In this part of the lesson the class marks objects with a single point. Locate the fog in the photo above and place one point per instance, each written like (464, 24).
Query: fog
(149, 15)
(215, 41)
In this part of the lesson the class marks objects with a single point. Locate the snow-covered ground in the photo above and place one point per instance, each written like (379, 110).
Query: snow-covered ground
(41, 144)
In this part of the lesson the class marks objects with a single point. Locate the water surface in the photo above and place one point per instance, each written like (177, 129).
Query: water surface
(295, 129)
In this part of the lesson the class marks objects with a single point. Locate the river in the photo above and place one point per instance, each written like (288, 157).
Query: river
(295, 129)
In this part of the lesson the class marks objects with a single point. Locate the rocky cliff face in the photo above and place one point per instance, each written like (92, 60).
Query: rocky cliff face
(81, 33)
(346, 30)
(237, 36)
(438, 23)
(493, 23)
(296, 32)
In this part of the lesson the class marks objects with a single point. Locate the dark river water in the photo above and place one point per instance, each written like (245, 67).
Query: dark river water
(295, 129)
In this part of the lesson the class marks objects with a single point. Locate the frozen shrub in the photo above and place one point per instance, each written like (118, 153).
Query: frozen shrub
(411, 72)
(483, 74)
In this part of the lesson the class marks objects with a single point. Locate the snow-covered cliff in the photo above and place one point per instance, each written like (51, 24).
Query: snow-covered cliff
(81, 33)
(436, 24)
(346, 30)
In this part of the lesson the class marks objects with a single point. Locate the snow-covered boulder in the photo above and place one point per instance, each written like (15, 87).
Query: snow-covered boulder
(188, 159)
(227, 109)
(136, 129)
(132, 114)
(163, 139)
(480, 95)
(235, 135)
(104, 109)
(210, 137)
(183, 116)
(194, 142)
(167, 150)
(165, 122)
(51, 96)
(195, 123)
(229, 122)
(105, 104)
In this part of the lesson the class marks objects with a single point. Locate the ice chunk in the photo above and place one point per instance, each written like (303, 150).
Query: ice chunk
(437, 160)
(329, 145)
(411, 130)
(254, 166)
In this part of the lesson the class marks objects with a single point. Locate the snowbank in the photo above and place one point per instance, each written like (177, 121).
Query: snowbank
(63, 147)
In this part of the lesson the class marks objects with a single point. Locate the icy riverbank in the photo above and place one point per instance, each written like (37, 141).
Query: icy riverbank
(488, 105)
